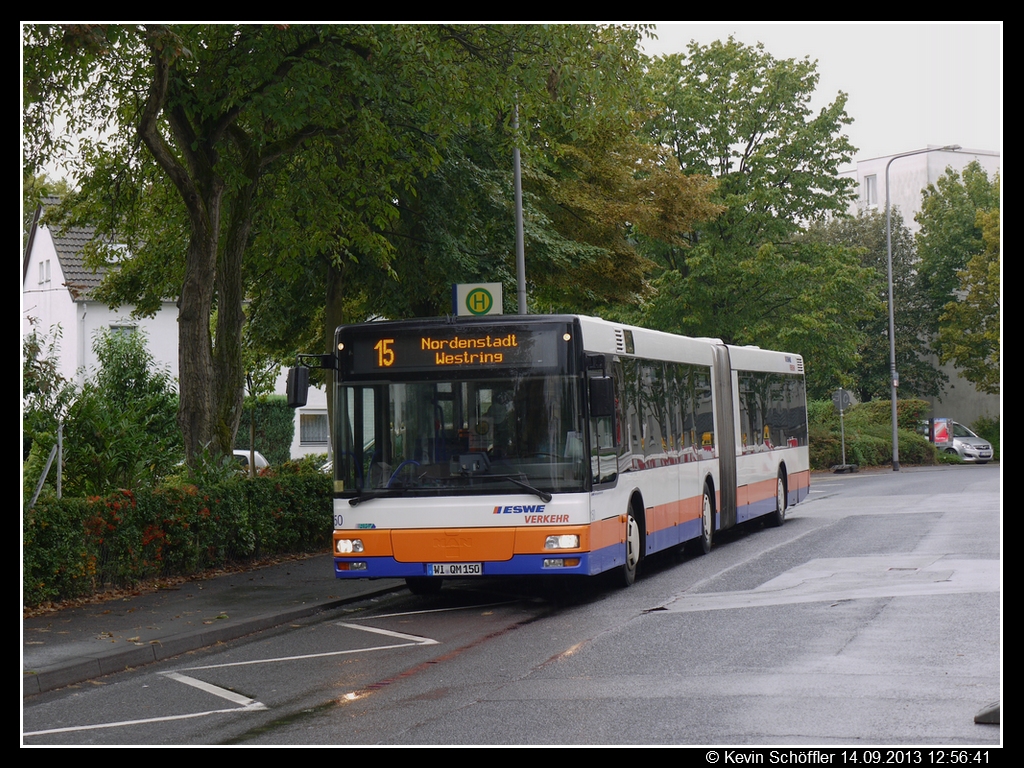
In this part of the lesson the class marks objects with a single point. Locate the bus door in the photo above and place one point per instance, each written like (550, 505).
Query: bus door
(725, 433)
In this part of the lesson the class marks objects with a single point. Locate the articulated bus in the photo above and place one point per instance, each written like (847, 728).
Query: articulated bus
(551, 444)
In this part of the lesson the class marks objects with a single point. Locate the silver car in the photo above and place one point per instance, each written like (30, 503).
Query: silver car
(967, 445)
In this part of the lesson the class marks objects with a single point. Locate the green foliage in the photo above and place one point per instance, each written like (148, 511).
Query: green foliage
(909, 413)
(308, 464)
(868, 430)
(275, 427)
(119, 429)
(736, 113)
(45, 393)
(865, 236)
(969, 331)
(74, 547)
(56, 563)
(989, 429)
(34, 189)
(274, 158)
(951, 233)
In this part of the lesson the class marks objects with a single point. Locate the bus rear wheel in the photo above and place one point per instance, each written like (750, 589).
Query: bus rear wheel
(707, 514)
(778, 517)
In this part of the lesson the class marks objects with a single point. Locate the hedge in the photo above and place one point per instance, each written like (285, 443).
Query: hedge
(868, 428)
(75, 547)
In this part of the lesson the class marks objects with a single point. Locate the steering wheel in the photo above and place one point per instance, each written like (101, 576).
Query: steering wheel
(399, 468)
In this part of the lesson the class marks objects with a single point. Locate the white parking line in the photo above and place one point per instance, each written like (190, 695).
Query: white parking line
(216, 690)
(413, 640)
(416, 639)
(246, 704)
(255, 707)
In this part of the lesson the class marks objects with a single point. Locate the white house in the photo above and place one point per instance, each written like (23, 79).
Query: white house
(56, 290)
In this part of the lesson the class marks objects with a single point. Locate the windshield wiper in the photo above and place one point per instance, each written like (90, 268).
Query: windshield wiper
(544, 495)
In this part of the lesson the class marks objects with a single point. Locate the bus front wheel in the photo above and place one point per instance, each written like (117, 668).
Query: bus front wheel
(632, 549)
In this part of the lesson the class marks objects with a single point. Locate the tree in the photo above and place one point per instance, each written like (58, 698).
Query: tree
(738, 114)
(969, 326)
(950, 232)
(865, 236)
(119, 428)
(214, 106)
(588, 181)
(274, 149)
(45, 393)
(34, 189)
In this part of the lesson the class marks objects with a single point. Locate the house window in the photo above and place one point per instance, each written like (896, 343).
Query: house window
(871, 191)
(44, 271)
(122, 329)
(314, 428)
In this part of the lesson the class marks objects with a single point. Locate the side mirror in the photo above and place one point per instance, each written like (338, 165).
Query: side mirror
(298, 386)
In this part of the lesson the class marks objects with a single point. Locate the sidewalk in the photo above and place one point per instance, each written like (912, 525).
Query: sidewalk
(79, 644)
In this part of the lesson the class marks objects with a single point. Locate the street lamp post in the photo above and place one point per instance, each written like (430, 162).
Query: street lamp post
(893, 376)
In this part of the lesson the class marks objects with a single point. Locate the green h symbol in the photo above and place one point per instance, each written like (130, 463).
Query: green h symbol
(479, 301)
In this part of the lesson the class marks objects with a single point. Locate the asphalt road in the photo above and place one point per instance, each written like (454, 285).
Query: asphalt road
(873, 617)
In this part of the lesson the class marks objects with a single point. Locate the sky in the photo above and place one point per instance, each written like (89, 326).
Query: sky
(910, 85)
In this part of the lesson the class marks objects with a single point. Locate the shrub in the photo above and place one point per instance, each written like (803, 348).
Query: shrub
(868, 430)
(74, 547)
(120, 428)
(988, 428)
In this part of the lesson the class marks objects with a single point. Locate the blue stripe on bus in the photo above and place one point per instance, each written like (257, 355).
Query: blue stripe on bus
(591, 563)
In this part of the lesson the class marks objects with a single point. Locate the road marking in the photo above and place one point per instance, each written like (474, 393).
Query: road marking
(216, 690)
(255, 707)
(413, 641)
(245, 704)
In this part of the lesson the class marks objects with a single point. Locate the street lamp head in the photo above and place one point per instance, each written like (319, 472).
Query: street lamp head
(952, 148)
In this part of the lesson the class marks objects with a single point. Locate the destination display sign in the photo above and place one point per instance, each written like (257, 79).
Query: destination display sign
(454, 349)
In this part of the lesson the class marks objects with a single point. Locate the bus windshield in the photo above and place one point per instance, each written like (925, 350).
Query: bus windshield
(474, 435)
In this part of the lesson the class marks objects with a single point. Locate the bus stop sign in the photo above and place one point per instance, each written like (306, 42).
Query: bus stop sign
(475, 299)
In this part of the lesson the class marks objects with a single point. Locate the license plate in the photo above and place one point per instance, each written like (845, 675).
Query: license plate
(456, 569)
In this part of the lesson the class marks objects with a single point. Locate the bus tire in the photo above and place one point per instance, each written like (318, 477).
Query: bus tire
(778, 517)
(707, 524)
(633, 540)
(423, 585)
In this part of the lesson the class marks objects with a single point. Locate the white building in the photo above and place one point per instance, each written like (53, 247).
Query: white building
(56, 291)
(908, 177)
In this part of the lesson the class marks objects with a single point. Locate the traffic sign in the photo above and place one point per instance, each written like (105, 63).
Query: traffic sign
(475, 299)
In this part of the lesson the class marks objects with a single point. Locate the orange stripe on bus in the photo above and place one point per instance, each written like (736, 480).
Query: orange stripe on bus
(674, 513)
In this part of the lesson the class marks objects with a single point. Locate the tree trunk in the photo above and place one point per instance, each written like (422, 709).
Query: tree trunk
(228, 382)
(195, 361)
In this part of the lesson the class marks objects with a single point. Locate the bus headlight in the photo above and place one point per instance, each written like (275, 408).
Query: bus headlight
(348, 546)
(564, 541)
